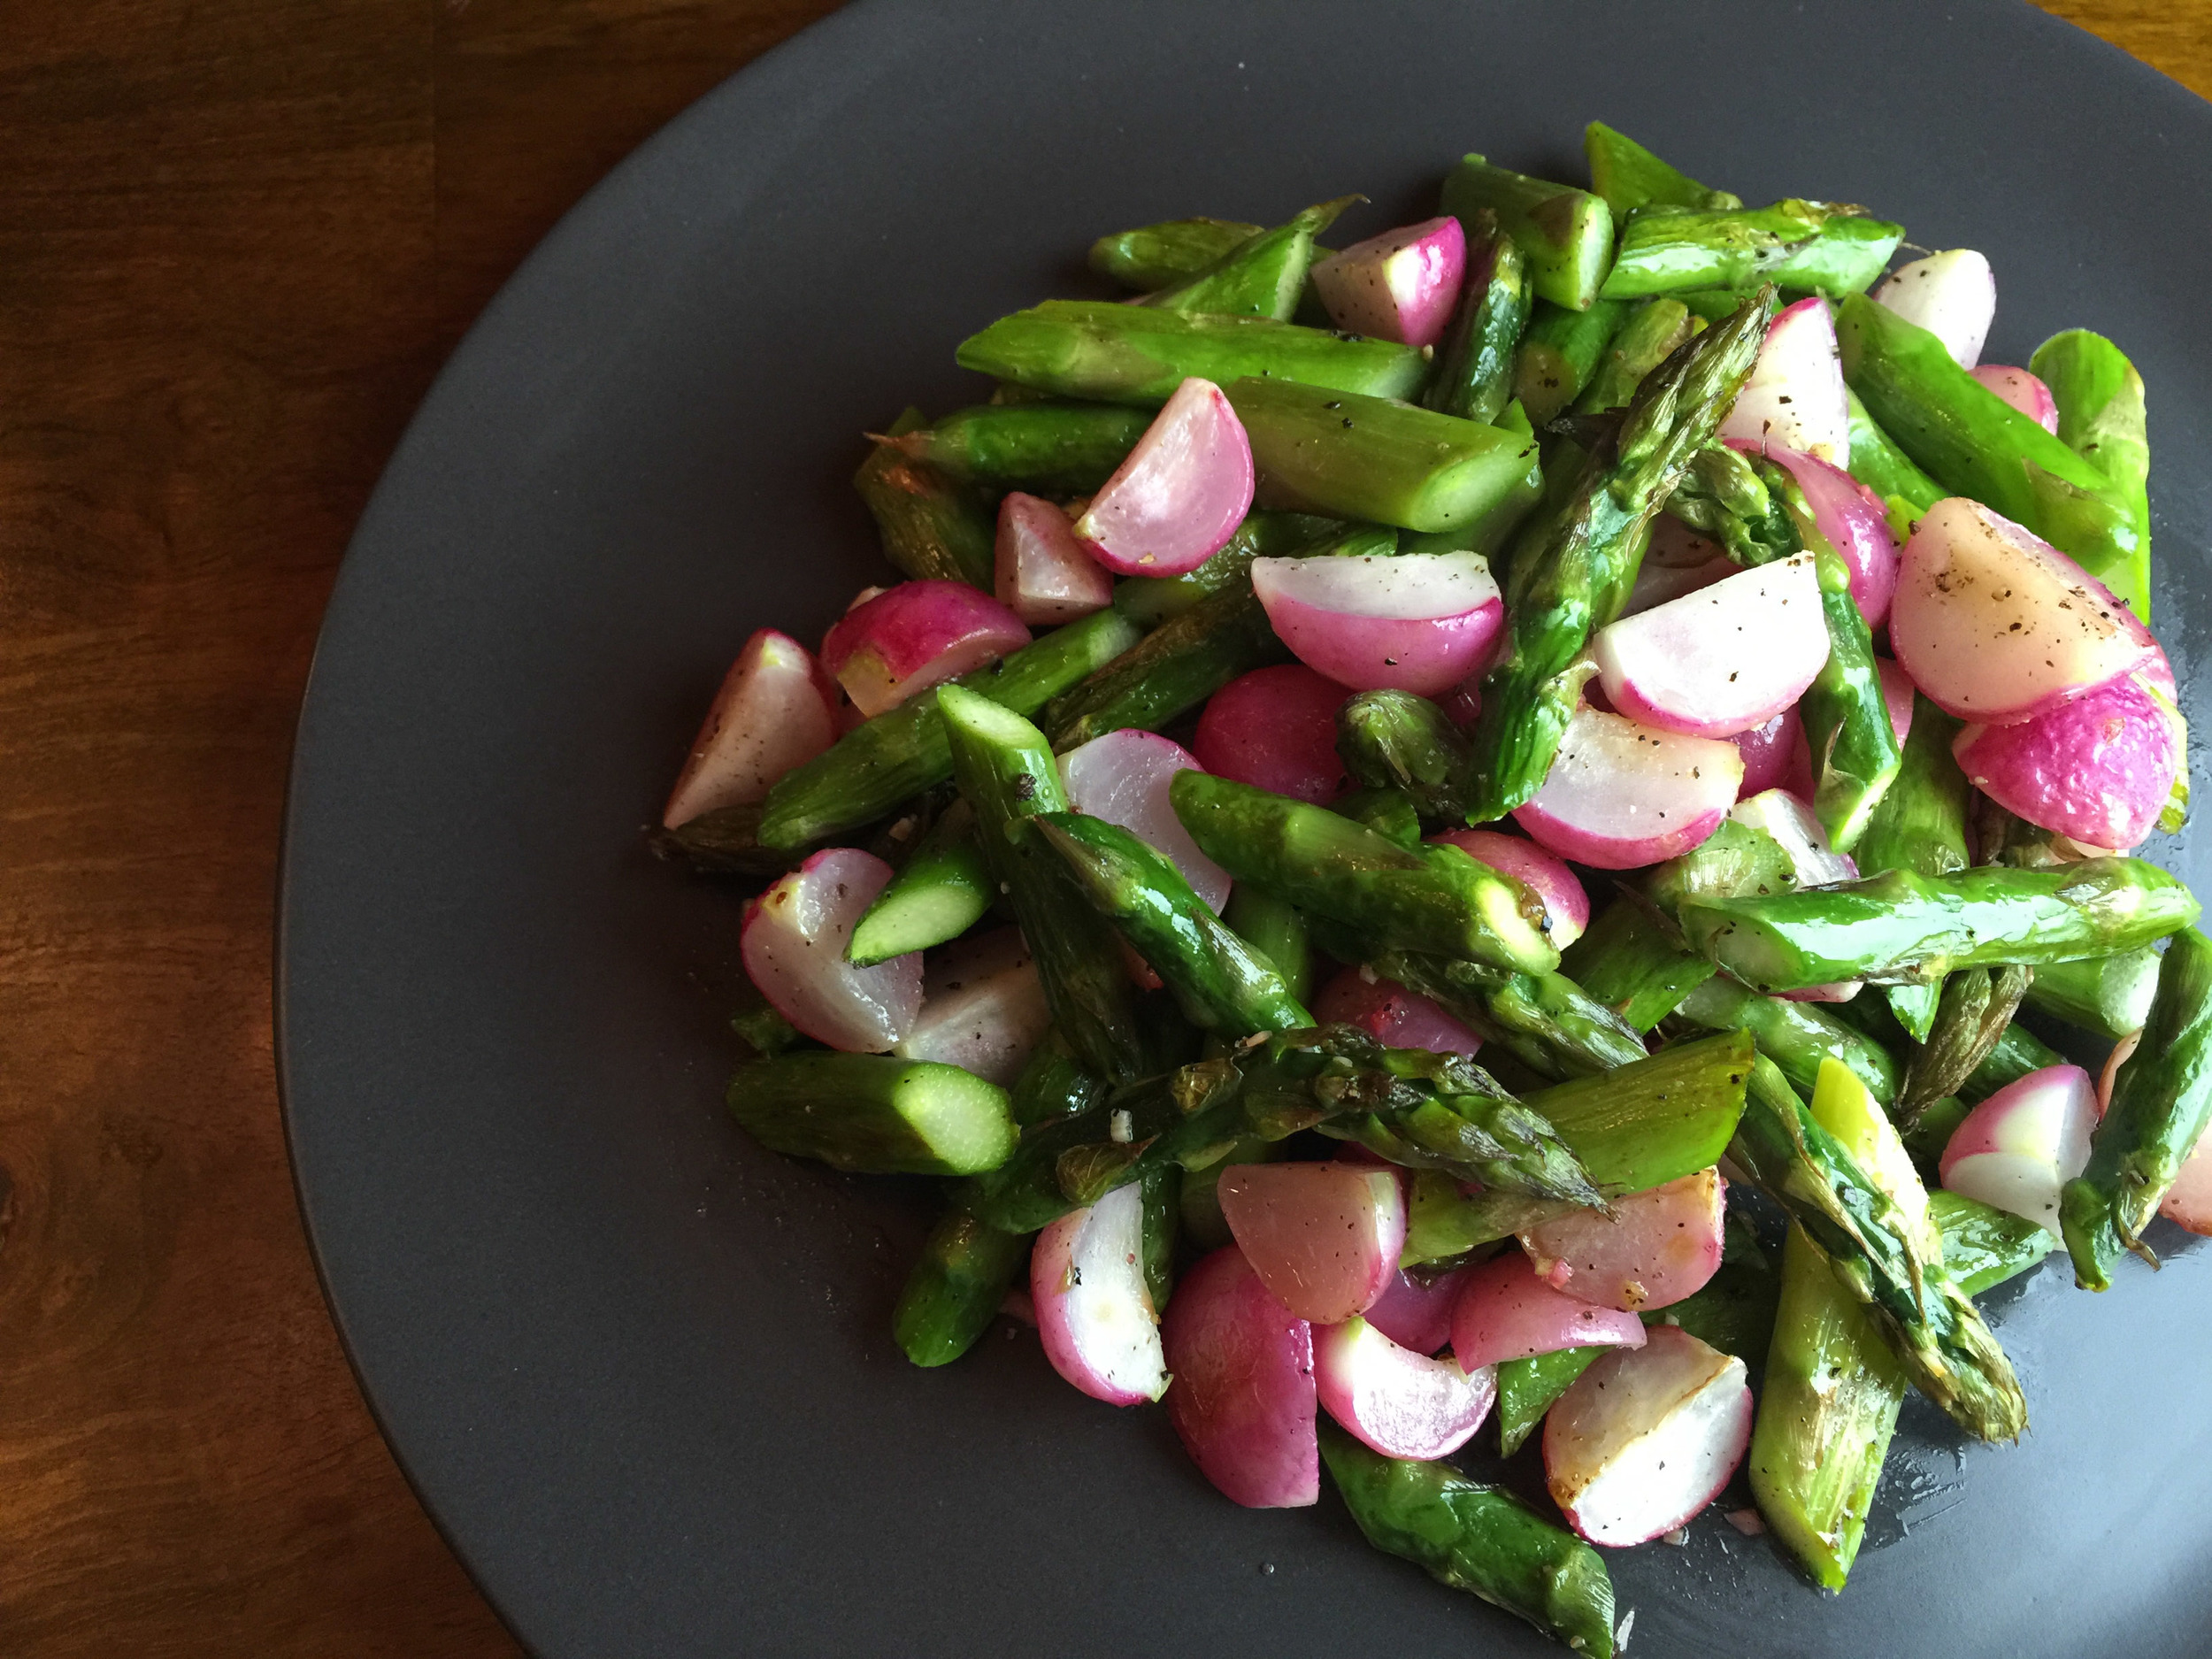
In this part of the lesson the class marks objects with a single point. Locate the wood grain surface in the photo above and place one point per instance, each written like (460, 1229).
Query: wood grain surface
(236, 239)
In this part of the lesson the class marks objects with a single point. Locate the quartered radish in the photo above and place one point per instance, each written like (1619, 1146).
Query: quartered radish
(1041, 572)
(1242, 1398)
(2188, 1201)
(1122, 778)
(1392, 1015)
(1178, 498)
(2017, 1149)
(1646, 1438)
(1724, 659)
(1854, 522)
(2022, 391)
(2099, 769)
(1400, 286)
(1769, 752)
(1402, 1403)
(1505, 1311)
(1325, 1238)
(1897, 695)
(1656, 1247)
(1952, 295)
(1416, 1313)
(793, 944)
(1620, 796)
(1418, 622)
(1275, 728)
(1795, 396)
(771, 713)
(1790, 824)
(1553, 886)
(1995, 625)
(983, 1008)
(916, 635)
(1094, 1314)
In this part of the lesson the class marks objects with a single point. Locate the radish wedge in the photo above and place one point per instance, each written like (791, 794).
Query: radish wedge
(771, 714)
(2017, 1149)
(983, 1008)
(2022, 391)
(1996, 626)
(1620, 796)
(1952, 295)
(1242, 1400)
(2188, 1201)
(1795, 397)
(1418, 622)
(1402, 1403)
(1178, 498)
(1323, 1238)
(1656, 1247)
(1416, 1313)
(1506, 1312)
(1544, 874)
(1897, 695)
(1725, 659)
(1392, 1015)
(1094, 1314)
(1275, 728)
(2099, 769)
(793, 943)
(1122, 778)
(1854, 522)
(1041, 572)
(916, 635)
(1770, 752)
(1399, 286)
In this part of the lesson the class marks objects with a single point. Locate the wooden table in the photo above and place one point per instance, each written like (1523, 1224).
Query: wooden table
(236, 239)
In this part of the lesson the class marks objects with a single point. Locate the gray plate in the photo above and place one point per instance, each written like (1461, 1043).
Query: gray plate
(639, 1370)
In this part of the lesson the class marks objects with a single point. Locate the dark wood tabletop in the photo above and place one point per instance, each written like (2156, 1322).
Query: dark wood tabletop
(237, 237)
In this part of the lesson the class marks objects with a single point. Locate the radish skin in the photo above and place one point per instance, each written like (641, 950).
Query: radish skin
(1041, 572)
(771, 713)
(1418, 1314)
(1242, 1398)
(1399, 286)
(1548, 881)
(1620, 796)
(1767, 753)
(1401, 1404)
(2019, 1147)
(2023, 391)
(1179, 495)
(793, 943)
(2099, 769)
(1275, 728)
(916, 635)
(1657, 1248)
(1795, 397)
(2188, 1201)
(1094, 1315)
(1122, 778)
(1506, 1311)
(1393, 1015)
(1952, 295)
(1418, 622)
(1323, 1238)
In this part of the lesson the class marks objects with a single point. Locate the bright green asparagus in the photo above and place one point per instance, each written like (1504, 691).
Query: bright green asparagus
(1051, 449)
(1149, 600)
(1473, 377)
(2110, 995)
(1567, 234)
(2101, 417)
(1262, 276)
(1560, 351)
(1178, 666)
(1652, 334)
(1629, 176)
(1830, 248)
(1153, 256)
(939, 893)
(955, 1288)
(933, 528)
(873, 1113)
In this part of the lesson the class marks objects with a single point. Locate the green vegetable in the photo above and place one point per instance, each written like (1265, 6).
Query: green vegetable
(874, 1114)
(1161, 1192)
(1473, 377)
(1527, 1388)
(1630, 960)
(1560, 351)
(1629, 176)
(1155, 257)
(1149, 600)
(1796, 1036)
(1392, 740)
(1855, 750)
(933, 528)
(1919, 825)
(1199, 1203)
(725, 842)
(1878, 462)
(1793, 244)
(1046, 448)
(1262, 276)
(1178, 666)
(1982, 1246)
(2018, 1052)
(1974, 1008)
(954, 1289)
(1390, 813)
(1545, 1020)
(1273, 927)
(1734, 1309)
(1566, 234)
(1054, 1084)
(2110, 995)
(2101, 417)
(1652, 334)
(939, 893)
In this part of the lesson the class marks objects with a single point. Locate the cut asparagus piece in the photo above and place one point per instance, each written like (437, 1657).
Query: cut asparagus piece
(1178, 666)
(1655, 330)
(939, 894)
(1262, 276)
(2101, 417)
(1545, 1020)
(933, 528)
(1796, 1036)
(1982, 1246)
(1634, 962)
(1527, 1388)
(1473, 377)
(2110, 995)
(873, 1113)
(1050, 448)
(1149, 600)
(1566, 234)
(1560, 351)
(1153, 256)
(954, 1291)
(1054, 1085)
(1629, 176)
(1795, 245)
(1277, 931)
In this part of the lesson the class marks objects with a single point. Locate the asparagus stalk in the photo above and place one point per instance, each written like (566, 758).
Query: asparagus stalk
(1629, 176)
(1473, 377)
(1560, 351)
(1262, 276)
(1275, 930)
(1153, 256)
(2110, 995)
(939, 893)
(1973, 1012)
(1830, 248)
(1734, 1309)
(1565, 234)
(955, 1288)
(1796, 1036)
(2101, 417)
(1392, 740)
(1655, 330)
(874, 1114)
(1054, 1084)
(1878, 462)
(725, 842)
(1545, 1020)
(1919, 825)
(2018, 1052)
(1527, 1388)
(1854, 746)
(933, 528)
(1178, 666)
(1047, 448)
(1982, 1246)
(1632, 960)
(1149, 600)
(1390, 813)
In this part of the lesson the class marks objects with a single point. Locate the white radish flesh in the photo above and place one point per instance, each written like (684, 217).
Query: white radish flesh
(1544, 875)
(2023, 391)
(2099, 769)
(1094, 1314)
(1400, 286)
(1418, 622)
(1795, 396)
(1724, 659)
(1392, 1015)
(1402, 1403)
(1656, 1248)
(793, 943)
(1621, 796)
(1952, 295)
(1275, 728)
(1323, 1238)
(983, 1008)
(1179, 495)
(1041, 573)
(1505, 1312)
(1242, 1397)
(771, 713)
(2019, 1147)
(916, 635)
(1855, 524)
(1122, 778)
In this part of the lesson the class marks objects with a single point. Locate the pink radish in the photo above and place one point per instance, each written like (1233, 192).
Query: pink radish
(1952, 295)
(1122, 778)
(2188, 1201)
(2023, 391)
(1094, 1314)
(1897, 695)
(772, 712)
(983, 1008)
(1854, 522)
(1275, 728)
(1656, 1247)
(1463, 704)
(1767, 752)
(2018, 1147)
(1548, 881)
(1506, 1312)
(793, 944)
(1620, 796)
(1392, 1015)
(1418, 622)
(2099, 769)
(1416, 1313)
(1795, 394)
(1402, 1403)
(916, 635)
(1995, 625)
(1647, 1438)
(1724, 659)
(1042, 574)
(1178, 498)
(2122, 1051)
(1325, 1238)
(1400, 286)
(1242, 1398)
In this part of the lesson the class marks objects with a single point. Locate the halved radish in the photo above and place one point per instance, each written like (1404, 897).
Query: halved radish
(1656, 1247)
(1463, 703)
(1416, 1313)
(916, 635)
(2022, 391)
(1854, 522)
(2099, 769)
(2017, 1149)
(983, 1008)
(1620, 796)
(1242, 1398)
(1505, 1311)
(1095, 1313)
(1178, 498)
(1544, 874)
(793, 944)
(1795, 394)
(1418, 622)
(2188, 1201)
(1724, 659)
(1952, 295)
(1325, 1238)
(1647, 1438)
(771, 714)
(1769, 752)
(1391, 1014)
(1400, 286)
(1122, 778)
(1995, 625)
(1402, 1403)
(1275, 728)
(1790, 824)
(1897, 695)
(1042, 574)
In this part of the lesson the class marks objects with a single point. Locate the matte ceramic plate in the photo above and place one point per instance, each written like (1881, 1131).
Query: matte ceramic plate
(639, 1370)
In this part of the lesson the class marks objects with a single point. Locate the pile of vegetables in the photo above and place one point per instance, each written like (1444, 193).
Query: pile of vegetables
(1123, 866)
